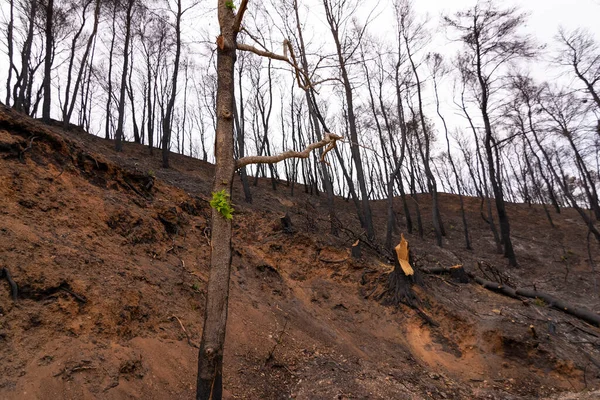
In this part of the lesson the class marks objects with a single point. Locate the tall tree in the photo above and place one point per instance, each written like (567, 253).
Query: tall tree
(412, 34)
(167, 121)
(579, 51)
(49, 36)
(346, 44)
(126, 53)
(491, 39)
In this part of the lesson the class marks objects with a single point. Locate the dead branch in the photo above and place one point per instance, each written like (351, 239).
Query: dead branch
(262, 53)
(558, 304)
(579, 312)
(185, 332)
(277, 342)
(333, 261)
(327, 140)
(496, 287)
(27, 148)
(287, 47)
(68, 371)
(77, 297)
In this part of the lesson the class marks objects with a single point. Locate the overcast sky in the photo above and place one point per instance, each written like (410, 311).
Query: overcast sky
(544, 20)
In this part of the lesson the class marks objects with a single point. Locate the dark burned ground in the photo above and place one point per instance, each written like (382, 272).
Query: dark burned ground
(110, 253)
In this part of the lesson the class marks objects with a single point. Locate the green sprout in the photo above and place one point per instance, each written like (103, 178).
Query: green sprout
(220, 202)
(229, 4)
(539, 302)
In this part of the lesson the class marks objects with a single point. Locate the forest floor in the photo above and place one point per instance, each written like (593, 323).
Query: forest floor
(110, 253)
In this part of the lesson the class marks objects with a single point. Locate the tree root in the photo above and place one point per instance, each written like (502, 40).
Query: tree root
(399, 291)
(185, 332)
(14, 289)
(77, 297)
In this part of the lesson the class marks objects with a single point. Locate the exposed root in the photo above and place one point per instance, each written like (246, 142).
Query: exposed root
(185, 332)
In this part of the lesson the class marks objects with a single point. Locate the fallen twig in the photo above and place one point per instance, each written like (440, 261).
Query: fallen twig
(185, 332)
(68, 371)
(444, 280)
(333, 261)
(270, 357)
(27, 148)
(77, 297)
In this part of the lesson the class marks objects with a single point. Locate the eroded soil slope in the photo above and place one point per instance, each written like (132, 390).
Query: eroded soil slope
(110, 253)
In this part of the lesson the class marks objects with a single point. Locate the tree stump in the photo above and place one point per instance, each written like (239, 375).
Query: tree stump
(286, 223)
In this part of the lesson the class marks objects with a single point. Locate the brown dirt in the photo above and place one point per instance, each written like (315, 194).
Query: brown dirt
(110, 252)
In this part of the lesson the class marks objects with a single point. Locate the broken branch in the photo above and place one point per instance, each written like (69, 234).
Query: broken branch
(185, 332)
(329, 139)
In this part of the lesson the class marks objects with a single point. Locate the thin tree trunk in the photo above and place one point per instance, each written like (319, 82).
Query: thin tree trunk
(48, 61)
(121, 111)
(210, 357)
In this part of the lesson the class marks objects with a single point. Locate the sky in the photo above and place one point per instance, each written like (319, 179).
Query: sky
(545, 17)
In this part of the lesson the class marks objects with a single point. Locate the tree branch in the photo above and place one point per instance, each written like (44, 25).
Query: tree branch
(330, 140)
(262, 53)
(287, 47)
(239, 16)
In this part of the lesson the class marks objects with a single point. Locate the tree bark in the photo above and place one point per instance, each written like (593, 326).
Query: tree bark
(171, 104)
(121, 111)
(210, 358)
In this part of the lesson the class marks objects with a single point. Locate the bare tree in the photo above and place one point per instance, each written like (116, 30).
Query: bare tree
(121, 105)
(491, 39)
(438, 70)
(49, 36)
(346, 45)
(580, 52)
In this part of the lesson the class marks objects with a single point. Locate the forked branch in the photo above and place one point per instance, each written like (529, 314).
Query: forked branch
(303, 81)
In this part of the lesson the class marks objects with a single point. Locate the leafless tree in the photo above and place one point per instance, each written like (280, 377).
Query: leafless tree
(491, 39)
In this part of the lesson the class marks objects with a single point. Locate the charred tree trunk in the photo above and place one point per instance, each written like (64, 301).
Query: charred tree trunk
(48, 61)
(119, 137)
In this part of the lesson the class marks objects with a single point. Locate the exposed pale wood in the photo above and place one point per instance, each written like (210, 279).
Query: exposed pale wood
(402, 254)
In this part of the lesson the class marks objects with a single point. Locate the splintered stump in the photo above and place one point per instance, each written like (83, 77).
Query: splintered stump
(403, 255)
(401, 279)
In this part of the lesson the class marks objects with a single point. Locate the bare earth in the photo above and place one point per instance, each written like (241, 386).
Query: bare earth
(110, 253)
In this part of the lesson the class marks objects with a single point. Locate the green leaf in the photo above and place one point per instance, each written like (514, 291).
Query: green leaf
(220, 202)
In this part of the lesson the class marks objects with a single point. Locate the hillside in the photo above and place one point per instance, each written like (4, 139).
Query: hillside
(110, 253)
